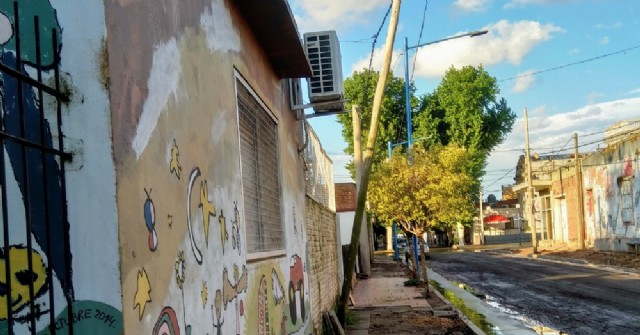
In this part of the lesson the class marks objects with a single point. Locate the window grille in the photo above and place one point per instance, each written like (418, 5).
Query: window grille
(626, 193)
(259, 154)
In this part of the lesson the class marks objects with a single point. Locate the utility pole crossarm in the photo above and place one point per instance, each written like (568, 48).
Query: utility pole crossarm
(471, 34)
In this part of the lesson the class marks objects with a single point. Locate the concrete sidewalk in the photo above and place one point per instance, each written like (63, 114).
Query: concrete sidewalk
(385, 292)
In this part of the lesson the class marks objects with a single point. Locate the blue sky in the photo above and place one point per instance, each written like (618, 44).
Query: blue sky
(525, 37)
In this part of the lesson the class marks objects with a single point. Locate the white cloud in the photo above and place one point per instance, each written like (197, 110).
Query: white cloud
(633, 92)
(505, 42)
(524, 3)
(574, 51)
(523, 81)
(313, 15)
(544, 131)
(604, 40)
(615, 25)
(378, 59)
(551, 132)
(593, 96)
(539, 111)
(472, 5)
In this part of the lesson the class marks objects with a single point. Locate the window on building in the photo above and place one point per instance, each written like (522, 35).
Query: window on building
(259, 154)
(626, 194)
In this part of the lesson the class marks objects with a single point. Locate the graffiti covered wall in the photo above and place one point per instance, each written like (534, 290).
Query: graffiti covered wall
(612, 195)
(185, 261)
(60, 214)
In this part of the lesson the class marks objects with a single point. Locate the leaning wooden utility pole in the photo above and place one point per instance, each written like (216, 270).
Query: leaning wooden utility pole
(530, 209)
(579, 197)
(364, 254)
(482, 241)
(366, 162)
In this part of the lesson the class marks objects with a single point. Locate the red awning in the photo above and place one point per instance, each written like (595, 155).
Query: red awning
(496, 218)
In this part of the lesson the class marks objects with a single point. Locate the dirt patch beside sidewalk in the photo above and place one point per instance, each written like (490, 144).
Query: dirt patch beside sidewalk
(609, 258)
(416, 322)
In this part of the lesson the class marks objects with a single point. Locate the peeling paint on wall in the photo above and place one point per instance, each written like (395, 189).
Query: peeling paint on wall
(163, 83)
(216, 23)
(612, 192)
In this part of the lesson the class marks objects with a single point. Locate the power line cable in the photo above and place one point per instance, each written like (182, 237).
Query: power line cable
(571, 64)
(373, 47)
(552, 150)
(501, 178)
(397, 61)
(362, 40)
(610, 129)
(555, 151)
(415, 55)
(375, 36)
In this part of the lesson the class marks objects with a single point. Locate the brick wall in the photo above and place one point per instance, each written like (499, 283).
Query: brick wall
(345, 197)
(322, 247)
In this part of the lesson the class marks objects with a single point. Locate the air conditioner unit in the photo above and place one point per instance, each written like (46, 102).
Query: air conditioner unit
(326, 85)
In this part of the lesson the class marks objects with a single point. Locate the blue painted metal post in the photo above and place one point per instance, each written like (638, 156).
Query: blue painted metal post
(396, 253)
(415, 252)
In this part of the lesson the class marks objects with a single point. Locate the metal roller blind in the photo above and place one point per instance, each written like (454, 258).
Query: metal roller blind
(260, 174)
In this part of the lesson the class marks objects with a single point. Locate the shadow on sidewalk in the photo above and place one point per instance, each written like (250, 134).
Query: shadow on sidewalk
(383, 305)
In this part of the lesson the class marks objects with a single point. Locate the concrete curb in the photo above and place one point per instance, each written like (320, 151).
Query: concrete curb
(504, 322)
(461, 315)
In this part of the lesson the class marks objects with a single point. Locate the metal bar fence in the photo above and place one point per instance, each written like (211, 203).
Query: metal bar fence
(36, 164)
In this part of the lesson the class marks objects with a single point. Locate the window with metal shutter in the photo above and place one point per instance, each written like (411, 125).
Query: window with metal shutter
(260, 173)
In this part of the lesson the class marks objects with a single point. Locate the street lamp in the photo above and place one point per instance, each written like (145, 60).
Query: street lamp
(406, 74)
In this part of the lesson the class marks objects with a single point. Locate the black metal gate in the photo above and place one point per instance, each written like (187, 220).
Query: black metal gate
(35, 256)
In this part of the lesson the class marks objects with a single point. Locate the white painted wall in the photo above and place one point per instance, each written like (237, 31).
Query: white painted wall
(345, 221)
(90, 178)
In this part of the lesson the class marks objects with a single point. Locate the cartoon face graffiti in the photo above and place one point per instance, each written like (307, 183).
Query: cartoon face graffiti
(21, 277)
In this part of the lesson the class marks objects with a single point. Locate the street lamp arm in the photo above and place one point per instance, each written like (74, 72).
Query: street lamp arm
(471, 34)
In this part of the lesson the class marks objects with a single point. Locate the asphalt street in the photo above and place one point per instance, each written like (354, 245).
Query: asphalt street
(573, 299)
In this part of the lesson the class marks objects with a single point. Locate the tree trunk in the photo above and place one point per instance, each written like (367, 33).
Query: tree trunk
(368, 155)
(423, 263)
(450, 239)
(412, 257)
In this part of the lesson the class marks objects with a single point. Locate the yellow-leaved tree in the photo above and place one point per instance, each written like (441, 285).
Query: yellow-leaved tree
(434, 188)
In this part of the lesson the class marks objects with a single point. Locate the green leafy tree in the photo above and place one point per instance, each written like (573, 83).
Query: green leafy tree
(359, 90)
(465, 110)
(433, 190)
